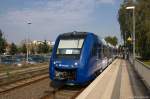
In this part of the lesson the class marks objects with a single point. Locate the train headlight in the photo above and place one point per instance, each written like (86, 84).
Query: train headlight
(72, 66)
(60, 65)
(56, 65)
(54, 62)
(75, 63)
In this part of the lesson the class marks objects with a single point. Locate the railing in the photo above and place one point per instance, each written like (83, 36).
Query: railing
(144, 72)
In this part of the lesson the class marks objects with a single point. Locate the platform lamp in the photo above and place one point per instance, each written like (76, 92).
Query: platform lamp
(29, 23)
(133, 16)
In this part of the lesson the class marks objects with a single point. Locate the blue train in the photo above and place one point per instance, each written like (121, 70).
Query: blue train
(78, 57)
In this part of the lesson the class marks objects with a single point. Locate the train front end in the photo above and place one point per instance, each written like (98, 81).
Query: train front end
(65, 63)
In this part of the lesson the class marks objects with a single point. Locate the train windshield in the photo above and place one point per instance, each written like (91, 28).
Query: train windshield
(69, 48)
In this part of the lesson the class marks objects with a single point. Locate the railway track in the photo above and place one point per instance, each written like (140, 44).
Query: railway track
(21, 75)
(60, 91)
(39, 87)
(23, 71)
(21, 83)
(57, 91)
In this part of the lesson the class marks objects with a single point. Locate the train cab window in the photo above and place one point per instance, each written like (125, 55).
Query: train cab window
(69, 48)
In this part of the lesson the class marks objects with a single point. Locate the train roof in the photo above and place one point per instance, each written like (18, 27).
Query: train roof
(76, 34)
(73, 35)
(104, 42)
(107, 44)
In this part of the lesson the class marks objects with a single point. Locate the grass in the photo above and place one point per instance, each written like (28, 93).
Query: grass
(147, 63)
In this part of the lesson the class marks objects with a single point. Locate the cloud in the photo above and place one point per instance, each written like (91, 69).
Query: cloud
(106, 1)
(54, 16)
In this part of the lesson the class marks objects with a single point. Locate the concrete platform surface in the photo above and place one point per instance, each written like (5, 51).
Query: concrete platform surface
(118, 81)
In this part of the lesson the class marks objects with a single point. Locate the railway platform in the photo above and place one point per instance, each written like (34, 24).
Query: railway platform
(118, 81)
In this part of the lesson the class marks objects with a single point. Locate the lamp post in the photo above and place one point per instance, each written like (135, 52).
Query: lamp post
(29, 23)
(133, 16)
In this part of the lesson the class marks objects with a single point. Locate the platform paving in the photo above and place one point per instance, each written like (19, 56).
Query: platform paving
(131, 86)
(118, 81)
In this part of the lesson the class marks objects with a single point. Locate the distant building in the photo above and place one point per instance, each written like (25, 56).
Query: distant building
(33, 45)
(7, 49)
(52, 43)
(37, 42)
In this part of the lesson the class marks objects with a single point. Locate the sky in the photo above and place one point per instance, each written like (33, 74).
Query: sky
(50, 18)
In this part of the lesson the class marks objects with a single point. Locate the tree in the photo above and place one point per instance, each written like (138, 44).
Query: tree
(125, 21)
(143, 28)
(111, 40)
(50, 49)
(13, 49)
(45, 47)
(24, 49)
(142, 33)
(40, 49)
(2, 43)
(32, 49)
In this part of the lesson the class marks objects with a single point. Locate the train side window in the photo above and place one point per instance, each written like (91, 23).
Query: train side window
(102, 52)
(105, 52)
(99, 51)
(94, 50)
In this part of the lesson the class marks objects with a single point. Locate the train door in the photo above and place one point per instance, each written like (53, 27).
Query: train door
(92, 59)
(104, 56)
(109, 55)
(99, 56)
